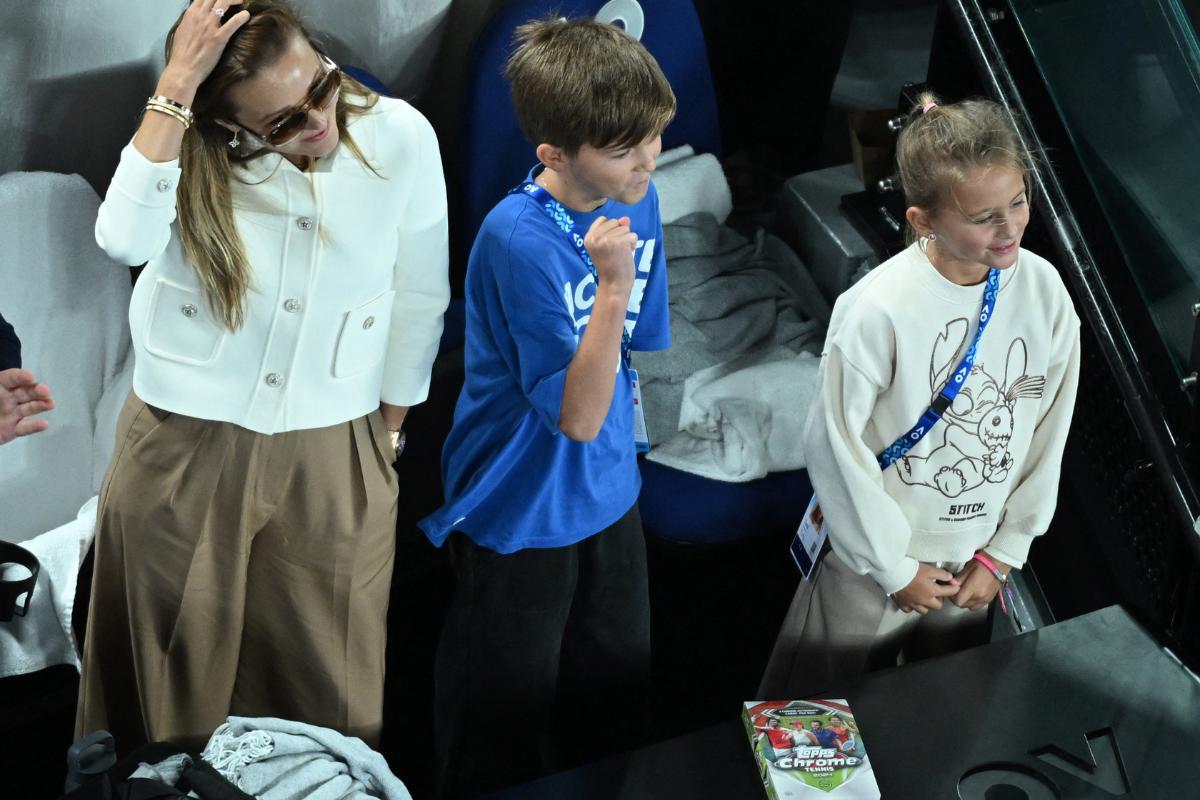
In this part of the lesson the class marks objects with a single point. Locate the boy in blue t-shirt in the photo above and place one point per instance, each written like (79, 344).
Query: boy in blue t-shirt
(550, 615)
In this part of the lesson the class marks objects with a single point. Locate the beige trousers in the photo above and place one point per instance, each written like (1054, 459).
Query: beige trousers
(841, 625)
(238, 573)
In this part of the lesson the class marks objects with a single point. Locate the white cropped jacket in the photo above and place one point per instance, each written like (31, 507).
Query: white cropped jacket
(349, 282)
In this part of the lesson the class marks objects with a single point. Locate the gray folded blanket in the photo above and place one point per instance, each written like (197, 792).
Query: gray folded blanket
(729, 295)
(276, 759)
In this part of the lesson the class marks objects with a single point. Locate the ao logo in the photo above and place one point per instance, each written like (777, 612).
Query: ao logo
(1101, 767)
(628, 13)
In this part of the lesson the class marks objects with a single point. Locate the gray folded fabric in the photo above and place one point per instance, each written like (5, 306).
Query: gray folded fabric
(729, 295)
(275, 759)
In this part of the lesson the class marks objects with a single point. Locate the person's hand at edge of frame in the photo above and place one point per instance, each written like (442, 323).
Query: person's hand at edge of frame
(21, 399)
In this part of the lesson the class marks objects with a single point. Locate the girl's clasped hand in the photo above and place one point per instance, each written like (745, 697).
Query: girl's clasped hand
(973, 587)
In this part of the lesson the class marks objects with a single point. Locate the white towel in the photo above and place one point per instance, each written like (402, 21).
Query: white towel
(689, 184)
(743, 418)
(44, 637)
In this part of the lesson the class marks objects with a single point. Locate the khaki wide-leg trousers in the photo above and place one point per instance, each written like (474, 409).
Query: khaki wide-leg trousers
(238, 573)
(841, 625)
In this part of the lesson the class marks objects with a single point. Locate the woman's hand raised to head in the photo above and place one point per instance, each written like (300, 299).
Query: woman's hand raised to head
(204, 30)
(199, 40)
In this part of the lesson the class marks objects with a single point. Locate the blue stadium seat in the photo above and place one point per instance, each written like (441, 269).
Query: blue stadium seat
(367, 79)
(686, 508)
(494, 154)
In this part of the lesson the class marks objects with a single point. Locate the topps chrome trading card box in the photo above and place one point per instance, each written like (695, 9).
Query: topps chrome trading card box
(809, 749)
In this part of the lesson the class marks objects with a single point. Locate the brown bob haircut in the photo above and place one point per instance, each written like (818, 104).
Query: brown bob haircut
(579, 81)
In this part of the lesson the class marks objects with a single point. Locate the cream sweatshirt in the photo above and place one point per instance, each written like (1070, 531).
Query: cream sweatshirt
(986, 477)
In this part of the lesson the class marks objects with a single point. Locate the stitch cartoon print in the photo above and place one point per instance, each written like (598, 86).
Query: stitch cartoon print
(979, 425)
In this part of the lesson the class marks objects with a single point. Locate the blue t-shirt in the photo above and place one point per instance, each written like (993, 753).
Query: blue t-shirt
(512, 479)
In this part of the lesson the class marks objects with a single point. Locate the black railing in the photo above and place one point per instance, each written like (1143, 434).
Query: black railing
(1096, 305)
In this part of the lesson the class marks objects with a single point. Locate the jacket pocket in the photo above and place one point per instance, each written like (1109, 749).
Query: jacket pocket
(180, 326)
(363, 340)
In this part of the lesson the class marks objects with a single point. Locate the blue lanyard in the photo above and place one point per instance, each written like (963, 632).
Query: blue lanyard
(950, 391)
(562, 218)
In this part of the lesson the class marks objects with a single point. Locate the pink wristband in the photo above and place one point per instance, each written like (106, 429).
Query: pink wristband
(987, 562)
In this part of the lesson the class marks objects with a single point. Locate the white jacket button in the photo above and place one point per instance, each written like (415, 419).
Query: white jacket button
(291, 305)
(274, 380)
(189, 309)
(163, 185)
(304, 223)
(368, 322)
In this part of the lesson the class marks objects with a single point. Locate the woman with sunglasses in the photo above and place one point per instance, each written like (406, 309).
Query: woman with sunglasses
(293, 226)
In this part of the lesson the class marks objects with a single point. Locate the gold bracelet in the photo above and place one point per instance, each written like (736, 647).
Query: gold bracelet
(167, 109)
(178, 109)
(175, 104)
(170, 112)
(187, 112)
(163, 109)
(178, 119)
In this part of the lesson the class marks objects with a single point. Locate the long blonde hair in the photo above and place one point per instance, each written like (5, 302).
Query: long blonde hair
(208, 233)
(942, 143)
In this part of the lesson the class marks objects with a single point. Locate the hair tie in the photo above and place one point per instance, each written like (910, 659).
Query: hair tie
(928, 106)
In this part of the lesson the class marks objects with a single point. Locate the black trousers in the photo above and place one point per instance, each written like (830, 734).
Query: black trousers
(544, 659)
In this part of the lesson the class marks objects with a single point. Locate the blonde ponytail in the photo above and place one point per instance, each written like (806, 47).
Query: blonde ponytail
(942, 143)
(208, 233)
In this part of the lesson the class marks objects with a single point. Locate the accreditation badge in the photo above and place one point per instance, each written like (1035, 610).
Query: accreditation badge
(809, 539)
(641, 438)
